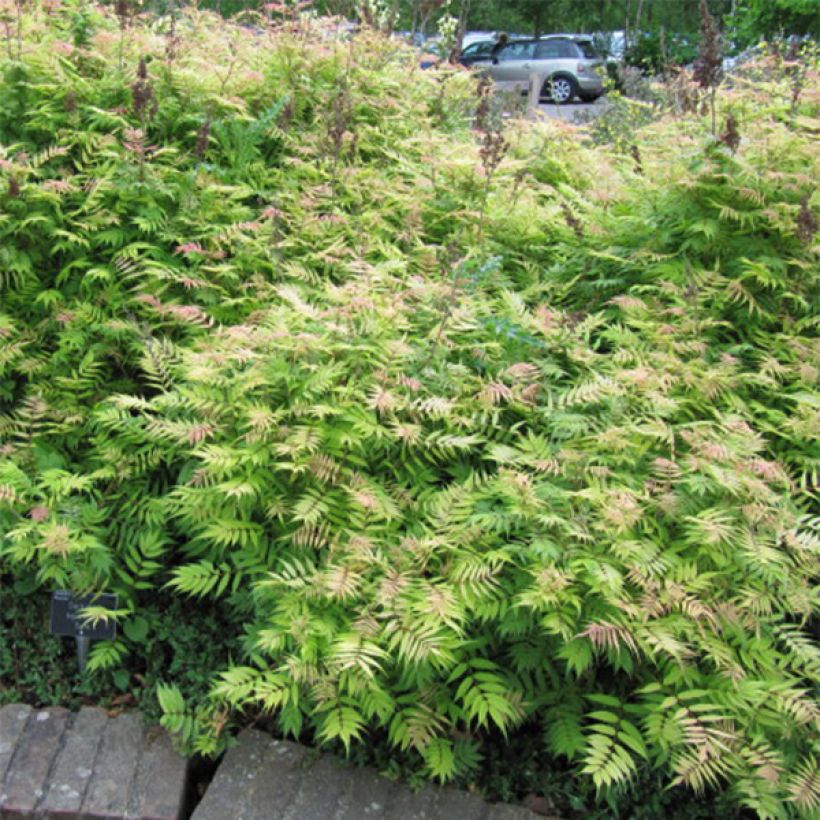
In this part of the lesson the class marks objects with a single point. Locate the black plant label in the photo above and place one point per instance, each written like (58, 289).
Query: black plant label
(68, 618)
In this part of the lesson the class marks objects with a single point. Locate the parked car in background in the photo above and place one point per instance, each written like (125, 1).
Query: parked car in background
(569, 64)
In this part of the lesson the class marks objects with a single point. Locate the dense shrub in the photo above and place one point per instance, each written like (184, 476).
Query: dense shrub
(466, 433)
(654, 51)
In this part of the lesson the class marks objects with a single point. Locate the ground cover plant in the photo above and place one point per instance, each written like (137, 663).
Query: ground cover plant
(464, 435)
(41, 669)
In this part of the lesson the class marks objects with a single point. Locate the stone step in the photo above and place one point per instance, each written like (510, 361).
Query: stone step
(262, 778)
(55, 764)
(89, 766)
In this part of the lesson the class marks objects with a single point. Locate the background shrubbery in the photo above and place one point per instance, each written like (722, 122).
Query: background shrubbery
(457, 437)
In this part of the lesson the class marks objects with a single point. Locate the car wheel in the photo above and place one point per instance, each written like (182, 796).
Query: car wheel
(561, 89)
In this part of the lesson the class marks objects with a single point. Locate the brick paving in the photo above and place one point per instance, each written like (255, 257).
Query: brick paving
(57, 765)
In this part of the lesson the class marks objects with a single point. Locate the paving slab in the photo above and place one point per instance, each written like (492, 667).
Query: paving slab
(27, 775)
(265, 779)
(368, 796)
(409, 805)
(13, 720)
(277, 784)
(159, 788)
(229, 793)
(114, 769)
(453, 804)
(73, 766)
(255, 775)
(322, 785)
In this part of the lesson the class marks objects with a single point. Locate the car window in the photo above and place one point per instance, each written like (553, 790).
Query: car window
(587, 49)
(547, 50)
(556, 50)
(516, 51)
(478, 49)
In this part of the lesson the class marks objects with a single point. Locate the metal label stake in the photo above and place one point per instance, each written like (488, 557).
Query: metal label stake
(83, 648)
(67, 620)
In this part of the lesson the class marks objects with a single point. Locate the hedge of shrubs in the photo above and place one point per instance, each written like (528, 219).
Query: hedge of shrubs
(470, 430)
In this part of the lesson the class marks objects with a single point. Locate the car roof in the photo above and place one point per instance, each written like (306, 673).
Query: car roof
(471, 37)
(577, 37)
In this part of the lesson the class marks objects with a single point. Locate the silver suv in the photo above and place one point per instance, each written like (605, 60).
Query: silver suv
(567, 63)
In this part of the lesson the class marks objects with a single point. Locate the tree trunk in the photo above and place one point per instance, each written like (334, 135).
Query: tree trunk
(627, 25)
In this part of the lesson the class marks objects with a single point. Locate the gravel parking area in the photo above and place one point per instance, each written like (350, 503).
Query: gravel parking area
(574, 111)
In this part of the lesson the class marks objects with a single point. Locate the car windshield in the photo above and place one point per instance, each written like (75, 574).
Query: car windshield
(587, 48)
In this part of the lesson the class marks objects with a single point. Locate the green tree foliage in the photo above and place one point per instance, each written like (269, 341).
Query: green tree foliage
(543, 16)
(755, 20)
(658, 33)
(464, 433)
